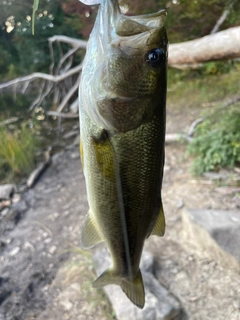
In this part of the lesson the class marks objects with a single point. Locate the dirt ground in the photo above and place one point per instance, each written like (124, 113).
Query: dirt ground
(45, 275)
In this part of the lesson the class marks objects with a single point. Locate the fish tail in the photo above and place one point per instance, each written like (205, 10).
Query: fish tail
(133, 288)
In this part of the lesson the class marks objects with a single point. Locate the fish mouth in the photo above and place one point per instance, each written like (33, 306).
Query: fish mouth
(114, 21)
(132, 25)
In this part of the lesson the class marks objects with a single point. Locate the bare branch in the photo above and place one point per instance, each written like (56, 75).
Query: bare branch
(62, 115)
(44, 76)
(75, 43)
(69, 95)
(222, 18)
(8, 121)
(50, 45)
(193, 127)
(25, 87)
(74, 106)
(68, 55)
(220, 21)
(41, 97)
(37, 100)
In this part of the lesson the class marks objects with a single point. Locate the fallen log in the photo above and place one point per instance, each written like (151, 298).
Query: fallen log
(39, 170)
(218, 46)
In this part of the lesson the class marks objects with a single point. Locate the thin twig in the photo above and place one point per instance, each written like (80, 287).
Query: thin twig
(193, 127)
(222, 18)
(69, 95)
(37, 100)
(43, 76)
(74, 106)
(8, 121)
(62, 115)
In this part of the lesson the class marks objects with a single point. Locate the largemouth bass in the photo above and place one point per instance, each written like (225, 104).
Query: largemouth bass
(122, 120)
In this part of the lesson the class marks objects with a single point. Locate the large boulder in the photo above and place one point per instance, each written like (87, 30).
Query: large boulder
(215, 231)
(7, 191)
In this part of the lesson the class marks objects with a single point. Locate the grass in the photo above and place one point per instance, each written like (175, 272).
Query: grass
(210, 83)
(17, 152)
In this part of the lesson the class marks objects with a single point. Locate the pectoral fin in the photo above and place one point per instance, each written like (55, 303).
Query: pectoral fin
(104, 155)
(159, 228)
(90, 233)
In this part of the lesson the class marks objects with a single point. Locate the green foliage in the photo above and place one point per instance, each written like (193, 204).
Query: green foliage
(22, 53)
(17, 151)
(14, 105)
(216, 142)
(48, 23)
(189, 19)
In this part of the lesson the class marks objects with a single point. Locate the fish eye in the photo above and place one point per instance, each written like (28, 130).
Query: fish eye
(155, 57)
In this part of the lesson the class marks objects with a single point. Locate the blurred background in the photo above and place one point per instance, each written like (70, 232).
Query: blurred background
(198, 259)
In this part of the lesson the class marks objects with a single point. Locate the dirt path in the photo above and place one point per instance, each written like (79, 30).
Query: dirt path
(35, 247)
(44, 275)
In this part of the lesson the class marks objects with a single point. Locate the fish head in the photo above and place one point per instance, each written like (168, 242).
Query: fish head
(125, 68)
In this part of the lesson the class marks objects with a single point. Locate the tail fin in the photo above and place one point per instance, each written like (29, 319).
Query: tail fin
(134, 289)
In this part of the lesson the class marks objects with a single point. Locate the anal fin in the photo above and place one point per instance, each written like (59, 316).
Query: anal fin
(90, 233)
(159, 228)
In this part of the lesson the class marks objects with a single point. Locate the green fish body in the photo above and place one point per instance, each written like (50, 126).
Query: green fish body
(122, 120)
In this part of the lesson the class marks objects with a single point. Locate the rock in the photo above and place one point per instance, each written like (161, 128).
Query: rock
(2, 245)
(74, 155)
(4, 212)
(76, 141)
(16, 198)
(4, 204)
(147, 262)
(14, 251)
(159, 303)
(7, 191)
(216, 175)
(20, 206)
(67, 305)
(48, 240)
(52, 249)
(179, 203)
(209, 228)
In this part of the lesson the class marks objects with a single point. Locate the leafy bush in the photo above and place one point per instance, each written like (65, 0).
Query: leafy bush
(216, 142)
